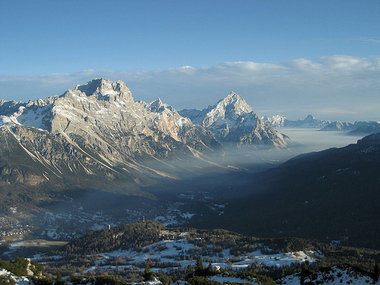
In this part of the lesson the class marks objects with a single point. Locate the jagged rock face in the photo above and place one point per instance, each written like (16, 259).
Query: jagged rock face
(9, 107)
(14, 175)
(232, 120)
(275, 121)
(97, 129)
(106, 90)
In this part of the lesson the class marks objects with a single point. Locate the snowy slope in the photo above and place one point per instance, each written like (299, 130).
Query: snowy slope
(170, 251)
(333, 276)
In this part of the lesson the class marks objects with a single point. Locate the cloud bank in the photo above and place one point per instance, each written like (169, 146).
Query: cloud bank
(333, 87)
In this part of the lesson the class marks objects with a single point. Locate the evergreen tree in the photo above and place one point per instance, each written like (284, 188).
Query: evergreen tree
(376, 273)
(209, 270)
(58, 280)
(199, 270)
(147, 275)
(189, 271)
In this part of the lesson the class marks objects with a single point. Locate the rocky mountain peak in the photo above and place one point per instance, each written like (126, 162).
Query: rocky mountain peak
(105, 89)
(309, 118)
(232, 120)
(229, 108)
(235, 103)
(158, 106)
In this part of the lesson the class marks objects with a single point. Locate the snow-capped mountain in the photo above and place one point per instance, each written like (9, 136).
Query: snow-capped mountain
(365, 128)
(94, 130)
(338, 126)
(232, 120)
(281, 121)
(357, 128)
(309, 122)
(275, 120)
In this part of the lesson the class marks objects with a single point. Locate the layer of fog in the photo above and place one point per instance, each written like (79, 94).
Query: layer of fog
(196, 181)
(309, 140)
(302, 140)
(232, 167)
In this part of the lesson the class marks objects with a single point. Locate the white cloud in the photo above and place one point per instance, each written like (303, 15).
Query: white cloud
(344, 63)
(334, 87)
(303, 65)
(367, 40)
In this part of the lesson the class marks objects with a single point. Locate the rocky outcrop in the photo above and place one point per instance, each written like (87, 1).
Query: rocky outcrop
(275, 121)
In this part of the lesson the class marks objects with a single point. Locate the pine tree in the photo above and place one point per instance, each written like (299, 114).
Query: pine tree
(58, 280)
(147, 275)
(209, 269)
(189, 271)
(59, 276)
(199, 270)
(376, 273)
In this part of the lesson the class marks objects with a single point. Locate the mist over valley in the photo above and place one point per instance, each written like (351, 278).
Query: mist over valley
(88, 172)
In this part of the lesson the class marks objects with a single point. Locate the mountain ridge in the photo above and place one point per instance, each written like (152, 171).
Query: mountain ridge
(309, 121)
(98, 129)
(356, 128)
(233, 121)
(97, 134)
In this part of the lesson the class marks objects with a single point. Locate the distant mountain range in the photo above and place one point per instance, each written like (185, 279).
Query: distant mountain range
(356, 128)
(96, 135)
(281, 121)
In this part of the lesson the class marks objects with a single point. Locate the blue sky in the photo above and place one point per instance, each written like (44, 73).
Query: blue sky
(40, 37)
(48, 38)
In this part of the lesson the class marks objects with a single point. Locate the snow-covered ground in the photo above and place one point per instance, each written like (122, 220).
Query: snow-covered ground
(178, 253)
(335, 276)
(177, 250)
(22, 280)
(281, 259)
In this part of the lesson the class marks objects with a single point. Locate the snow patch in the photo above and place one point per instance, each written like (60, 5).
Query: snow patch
(334, 276)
